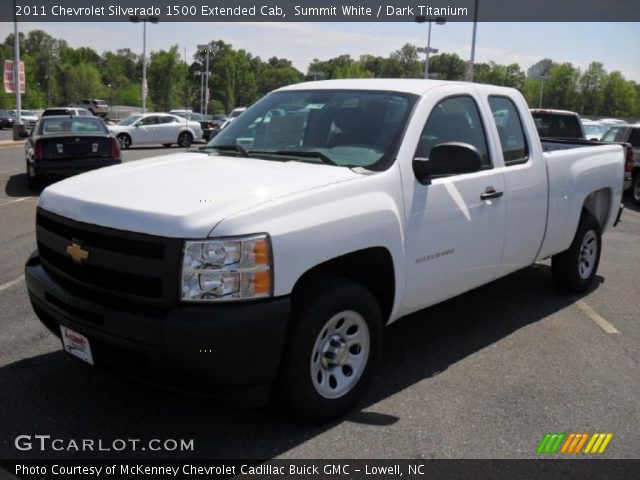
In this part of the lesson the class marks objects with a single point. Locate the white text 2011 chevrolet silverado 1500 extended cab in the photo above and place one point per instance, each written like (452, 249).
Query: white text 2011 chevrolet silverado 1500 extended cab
(270, 261)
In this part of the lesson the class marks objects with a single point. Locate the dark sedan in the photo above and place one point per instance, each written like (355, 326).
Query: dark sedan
(62, 146)
(6, 119)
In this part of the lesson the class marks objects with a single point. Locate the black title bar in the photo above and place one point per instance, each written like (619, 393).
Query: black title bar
(320, 10)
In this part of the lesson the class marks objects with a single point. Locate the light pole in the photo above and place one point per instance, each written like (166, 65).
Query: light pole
(17, 127)
(144, 20)
(473, 43)
(542, 79)
(206, 47)
(200, 74)
(429, 50)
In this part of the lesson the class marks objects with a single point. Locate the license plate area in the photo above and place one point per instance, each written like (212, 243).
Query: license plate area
(76, 344)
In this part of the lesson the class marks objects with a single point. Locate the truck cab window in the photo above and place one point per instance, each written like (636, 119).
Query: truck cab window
(455, 119)
(510, 131)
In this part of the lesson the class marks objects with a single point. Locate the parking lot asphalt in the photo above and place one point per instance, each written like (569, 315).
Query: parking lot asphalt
(484, 375)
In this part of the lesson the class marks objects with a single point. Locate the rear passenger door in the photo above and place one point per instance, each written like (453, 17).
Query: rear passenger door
(526, 184)
(454, 237)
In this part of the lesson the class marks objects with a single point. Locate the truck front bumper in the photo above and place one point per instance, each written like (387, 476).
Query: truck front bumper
(230, 351)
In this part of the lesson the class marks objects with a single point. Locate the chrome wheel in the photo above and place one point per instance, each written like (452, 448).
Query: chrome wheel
(588, 254)
(124, 141)
(340, 353)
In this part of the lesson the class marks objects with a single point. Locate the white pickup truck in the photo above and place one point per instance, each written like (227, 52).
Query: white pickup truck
(266, 264)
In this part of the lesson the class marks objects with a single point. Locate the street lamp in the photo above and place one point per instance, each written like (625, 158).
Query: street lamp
(200, 74)
(144, 20)
(206, 47)
(542, 79)
(429, 50)
(473, 43)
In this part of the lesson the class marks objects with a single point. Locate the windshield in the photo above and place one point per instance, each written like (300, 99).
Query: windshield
(594, 131)
(557, 125)
(129, 120)
(344, 128)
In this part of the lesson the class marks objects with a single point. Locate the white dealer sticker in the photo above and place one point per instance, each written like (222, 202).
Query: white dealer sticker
(76, 344)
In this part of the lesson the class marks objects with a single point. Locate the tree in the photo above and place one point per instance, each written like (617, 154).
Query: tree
(166, 79)
(592, 89)
(619, 96)
(409, 61)
(561, 90)
(447, 66)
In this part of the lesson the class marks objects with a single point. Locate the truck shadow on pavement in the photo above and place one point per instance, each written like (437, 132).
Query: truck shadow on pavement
(629, 204)
(53, 394)
(17, 187)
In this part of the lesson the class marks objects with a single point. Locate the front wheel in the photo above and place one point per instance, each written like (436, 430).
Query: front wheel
(332, 349)
(635, 188)
(185, 139)
(574, 269)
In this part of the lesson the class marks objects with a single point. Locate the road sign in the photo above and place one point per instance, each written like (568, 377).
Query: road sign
(8, 77)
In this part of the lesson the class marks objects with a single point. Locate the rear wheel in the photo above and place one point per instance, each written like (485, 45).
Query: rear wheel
(185, 139)
(333, 347)
(635, 188)
(574, 269)
(33, 181)
(124, 140)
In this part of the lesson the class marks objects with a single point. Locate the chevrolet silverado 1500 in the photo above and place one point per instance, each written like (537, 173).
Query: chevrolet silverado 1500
(268, 262)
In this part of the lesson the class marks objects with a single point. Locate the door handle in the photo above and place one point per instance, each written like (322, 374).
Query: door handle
(490, 193)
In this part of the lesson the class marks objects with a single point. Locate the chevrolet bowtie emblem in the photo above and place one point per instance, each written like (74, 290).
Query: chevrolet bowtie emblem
(76, 252)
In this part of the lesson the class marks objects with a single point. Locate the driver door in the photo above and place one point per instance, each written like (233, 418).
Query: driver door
(454, 233)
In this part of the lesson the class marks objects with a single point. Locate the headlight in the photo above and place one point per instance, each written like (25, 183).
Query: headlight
(227, 269)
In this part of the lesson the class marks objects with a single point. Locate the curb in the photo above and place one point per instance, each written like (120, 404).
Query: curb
(11, 143)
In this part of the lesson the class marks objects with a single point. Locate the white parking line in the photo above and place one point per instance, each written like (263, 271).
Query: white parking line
(596, 317)
(22, 199)
(11, 283)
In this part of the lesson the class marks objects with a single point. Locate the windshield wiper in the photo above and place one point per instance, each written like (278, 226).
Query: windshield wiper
(237, 148)
(298, 153)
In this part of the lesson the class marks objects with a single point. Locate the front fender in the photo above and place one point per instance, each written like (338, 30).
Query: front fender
(312, 227)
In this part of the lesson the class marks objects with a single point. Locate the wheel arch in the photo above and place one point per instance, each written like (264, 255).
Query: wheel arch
(370, 267)
(598, 204)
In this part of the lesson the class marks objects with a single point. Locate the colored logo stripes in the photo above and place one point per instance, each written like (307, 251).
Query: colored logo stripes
(573, 442)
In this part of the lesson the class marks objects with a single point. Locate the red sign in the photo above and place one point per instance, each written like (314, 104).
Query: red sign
(8, 77)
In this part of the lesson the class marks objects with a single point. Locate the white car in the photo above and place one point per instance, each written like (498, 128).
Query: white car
(232, 116)
(28, 117)
(156, 128)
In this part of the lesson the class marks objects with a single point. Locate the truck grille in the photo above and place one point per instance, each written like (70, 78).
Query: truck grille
(121, 266)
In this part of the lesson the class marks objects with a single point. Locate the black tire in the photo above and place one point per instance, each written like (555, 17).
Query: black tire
(319, 304)
(124, 141)
(34, 183)
(166, 145)
(574, 269)
(185, 140)
(635, 188)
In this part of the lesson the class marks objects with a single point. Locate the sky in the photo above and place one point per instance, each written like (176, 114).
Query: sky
(616, 45)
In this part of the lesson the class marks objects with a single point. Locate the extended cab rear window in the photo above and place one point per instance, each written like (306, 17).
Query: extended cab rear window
(510, 130)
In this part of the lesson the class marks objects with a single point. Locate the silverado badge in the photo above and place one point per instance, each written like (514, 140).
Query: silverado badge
(76, 252)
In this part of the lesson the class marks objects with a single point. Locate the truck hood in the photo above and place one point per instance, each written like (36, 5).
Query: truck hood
(182, 195)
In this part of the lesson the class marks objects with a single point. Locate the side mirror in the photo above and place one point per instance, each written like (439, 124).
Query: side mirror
(23, 134)
(451, 158)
